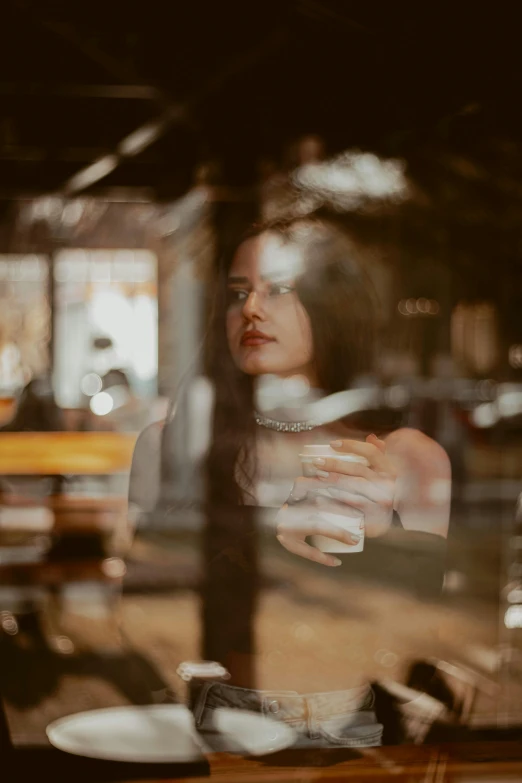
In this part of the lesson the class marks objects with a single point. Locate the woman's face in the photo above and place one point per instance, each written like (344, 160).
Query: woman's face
(268, 329)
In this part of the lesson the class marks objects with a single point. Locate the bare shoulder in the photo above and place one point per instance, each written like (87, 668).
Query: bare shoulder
(423, 491)
(145, 477)
(149, 440)
(419, 451)
(148, 446)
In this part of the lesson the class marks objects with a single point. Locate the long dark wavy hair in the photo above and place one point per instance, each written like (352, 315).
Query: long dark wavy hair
(338, 296)
(339, 299)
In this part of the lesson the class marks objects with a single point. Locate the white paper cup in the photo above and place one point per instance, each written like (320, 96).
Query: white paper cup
(353, 524)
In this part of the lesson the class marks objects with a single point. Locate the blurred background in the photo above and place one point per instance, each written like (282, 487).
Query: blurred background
(135, 141)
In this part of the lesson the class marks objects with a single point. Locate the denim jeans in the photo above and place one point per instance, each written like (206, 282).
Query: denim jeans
(321, 720)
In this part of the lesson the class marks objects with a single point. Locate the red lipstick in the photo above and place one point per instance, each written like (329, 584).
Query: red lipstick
(255, 337)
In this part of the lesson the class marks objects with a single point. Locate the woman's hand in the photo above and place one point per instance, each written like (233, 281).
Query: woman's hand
(370, 489)
(300, 518)
(361, 490)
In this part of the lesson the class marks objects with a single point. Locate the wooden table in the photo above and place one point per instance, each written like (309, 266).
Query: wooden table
(58, 453)
(470, 762)
(69, 512)
(462, 763)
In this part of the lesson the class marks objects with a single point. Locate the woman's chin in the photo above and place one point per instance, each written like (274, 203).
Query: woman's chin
(257, 368)
(265, 360)
(256, 365)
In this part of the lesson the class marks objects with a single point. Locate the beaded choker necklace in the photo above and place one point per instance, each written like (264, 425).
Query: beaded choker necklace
(284, 426)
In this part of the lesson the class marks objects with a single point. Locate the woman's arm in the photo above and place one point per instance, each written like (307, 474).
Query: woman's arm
(144, 481)
(145, 475)
(423, 484)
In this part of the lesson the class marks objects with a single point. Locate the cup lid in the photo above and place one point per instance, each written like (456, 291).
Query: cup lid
(189, 670)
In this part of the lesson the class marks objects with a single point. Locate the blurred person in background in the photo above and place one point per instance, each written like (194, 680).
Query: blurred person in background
(115, 406)
(294, 304)
(36, 411)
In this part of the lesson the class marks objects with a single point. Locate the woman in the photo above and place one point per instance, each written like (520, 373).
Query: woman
(296, 305)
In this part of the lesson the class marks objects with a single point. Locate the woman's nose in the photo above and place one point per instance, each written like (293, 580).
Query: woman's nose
(253, 307)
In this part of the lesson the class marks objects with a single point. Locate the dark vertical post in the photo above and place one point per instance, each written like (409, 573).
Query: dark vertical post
(230, 578)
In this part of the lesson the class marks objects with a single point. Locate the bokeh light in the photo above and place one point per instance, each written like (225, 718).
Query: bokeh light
(91, 384)
(101, 404)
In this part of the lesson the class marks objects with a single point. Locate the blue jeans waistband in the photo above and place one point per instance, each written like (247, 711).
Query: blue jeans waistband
(285, 705)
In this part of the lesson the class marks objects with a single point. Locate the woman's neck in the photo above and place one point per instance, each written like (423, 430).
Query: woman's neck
(285, 398)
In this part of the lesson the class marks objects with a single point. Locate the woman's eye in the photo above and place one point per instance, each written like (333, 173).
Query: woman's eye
(235, 295)
(277, 289)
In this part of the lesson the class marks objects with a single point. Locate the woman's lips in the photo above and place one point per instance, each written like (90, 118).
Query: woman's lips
(256, 338)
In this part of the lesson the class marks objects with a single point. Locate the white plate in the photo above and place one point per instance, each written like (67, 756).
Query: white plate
(165, 733)
(248, 733)
(157, 734)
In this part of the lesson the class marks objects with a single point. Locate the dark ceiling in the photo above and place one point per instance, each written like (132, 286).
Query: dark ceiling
(235, 83)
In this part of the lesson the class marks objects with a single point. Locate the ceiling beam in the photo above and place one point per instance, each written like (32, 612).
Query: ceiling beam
(124, 91)
(147, 134)
(41, 154)
(123, 195)
(131, 145)
(135, 142)
(113, 66)
(171, 113)
(66, 32)
(317, 10)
